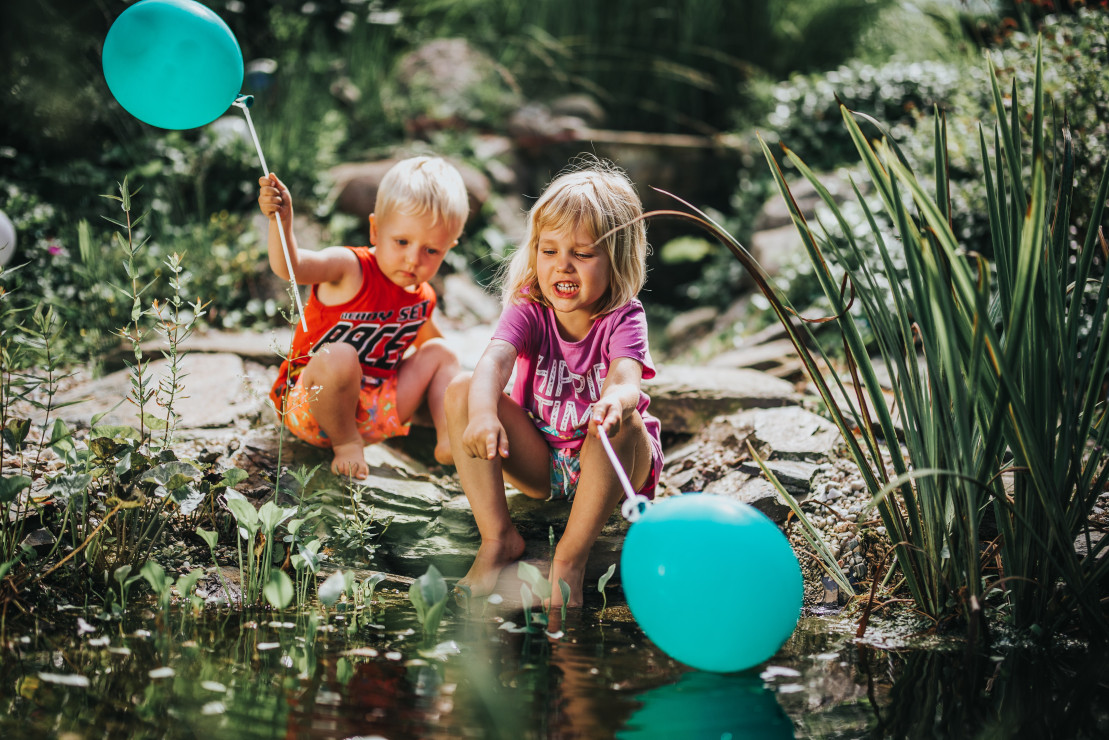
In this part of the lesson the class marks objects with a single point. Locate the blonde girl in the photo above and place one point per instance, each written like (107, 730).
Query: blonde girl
(576, 335)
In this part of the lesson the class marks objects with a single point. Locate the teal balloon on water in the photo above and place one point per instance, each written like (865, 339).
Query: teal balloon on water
(711, 581)
(172, 63)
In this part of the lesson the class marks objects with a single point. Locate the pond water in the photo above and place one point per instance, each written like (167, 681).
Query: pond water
(370, 674)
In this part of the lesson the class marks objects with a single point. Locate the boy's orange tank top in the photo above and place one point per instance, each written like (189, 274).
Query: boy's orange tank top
(381, 322)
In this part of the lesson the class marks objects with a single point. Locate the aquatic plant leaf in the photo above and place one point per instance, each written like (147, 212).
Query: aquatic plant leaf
(309, 558)
(186, 584)
(370, 585)
(270, 516)
(564, 589)
(428, 594)
(15, 431)
(432, 585)
(601, 583)
(279, 591)
(10, 486)
(530, 575)
(173, 474)
(120, 574)
(332, 588)
(243, 511)
(155, 575)
(188, 499)
(210, 538)
(233, 477)
(68, 484)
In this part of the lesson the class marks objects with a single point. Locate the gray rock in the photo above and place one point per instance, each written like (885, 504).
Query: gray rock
(791, 433)
(795, 476)
(213, 394)
(686, 398)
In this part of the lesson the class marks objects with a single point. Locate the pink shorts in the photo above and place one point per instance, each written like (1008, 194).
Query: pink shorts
(376, 416)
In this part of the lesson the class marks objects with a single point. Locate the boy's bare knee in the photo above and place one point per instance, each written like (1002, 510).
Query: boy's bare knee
(334, 364)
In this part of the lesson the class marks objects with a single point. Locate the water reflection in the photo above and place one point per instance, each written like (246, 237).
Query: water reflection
(707, 705)
(249, 676)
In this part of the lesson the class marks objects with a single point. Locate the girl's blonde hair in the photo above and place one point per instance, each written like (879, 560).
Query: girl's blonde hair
(599, 196)
(425, 186)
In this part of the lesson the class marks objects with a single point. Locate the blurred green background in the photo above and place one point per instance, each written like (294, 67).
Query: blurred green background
(333, 83)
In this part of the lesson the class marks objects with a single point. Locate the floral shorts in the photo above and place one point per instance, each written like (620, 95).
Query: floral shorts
(376, 416)
(566, 471)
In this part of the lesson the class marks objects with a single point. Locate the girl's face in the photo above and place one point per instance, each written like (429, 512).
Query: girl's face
(573, 276)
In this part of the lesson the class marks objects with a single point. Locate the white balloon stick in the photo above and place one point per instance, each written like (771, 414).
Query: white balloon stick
(241, 102)
(636, 503)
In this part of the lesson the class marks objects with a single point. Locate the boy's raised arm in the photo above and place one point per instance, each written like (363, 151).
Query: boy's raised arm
(311, 268)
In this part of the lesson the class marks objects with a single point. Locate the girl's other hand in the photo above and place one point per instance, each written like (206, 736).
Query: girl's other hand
(485, 438)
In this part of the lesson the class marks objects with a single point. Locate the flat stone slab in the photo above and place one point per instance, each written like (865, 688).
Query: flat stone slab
(686, 398)
(792, 433)
(213, 394)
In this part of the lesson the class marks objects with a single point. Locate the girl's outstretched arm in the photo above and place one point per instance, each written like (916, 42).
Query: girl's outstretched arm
(485, 436)
(619, 396)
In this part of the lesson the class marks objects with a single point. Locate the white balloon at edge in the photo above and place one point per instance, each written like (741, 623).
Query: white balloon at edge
(7, 239)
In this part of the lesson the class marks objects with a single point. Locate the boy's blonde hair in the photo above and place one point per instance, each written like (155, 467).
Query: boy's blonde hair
(421, 186)
(599, 196)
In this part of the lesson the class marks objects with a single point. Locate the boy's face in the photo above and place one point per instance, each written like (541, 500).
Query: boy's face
(409, 249)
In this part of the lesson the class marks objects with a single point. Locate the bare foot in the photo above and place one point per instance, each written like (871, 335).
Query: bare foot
(443, 454)
(350, 460)
(574, 576)
(492, 557)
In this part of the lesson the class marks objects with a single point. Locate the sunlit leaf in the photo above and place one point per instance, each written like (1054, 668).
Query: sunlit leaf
(279, 591)
(332, 588)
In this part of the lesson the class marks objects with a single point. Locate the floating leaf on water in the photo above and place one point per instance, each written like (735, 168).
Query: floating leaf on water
(65, 679)
(163, 672)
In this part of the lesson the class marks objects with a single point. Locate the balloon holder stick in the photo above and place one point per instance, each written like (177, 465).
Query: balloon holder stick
(636, 503)
(244, 102)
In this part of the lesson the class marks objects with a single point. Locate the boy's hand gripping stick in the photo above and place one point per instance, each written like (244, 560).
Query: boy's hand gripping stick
(637, 503)
(244, 102)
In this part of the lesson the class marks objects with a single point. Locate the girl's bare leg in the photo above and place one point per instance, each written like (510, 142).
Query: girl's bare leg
(333, 378)
(483, 482)
(599, 493)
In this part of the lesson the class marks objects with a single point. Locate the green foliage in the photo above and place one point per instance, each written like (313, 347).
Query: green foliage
(1010, 385)
(803, 113)
(429, 594)
(601, 583)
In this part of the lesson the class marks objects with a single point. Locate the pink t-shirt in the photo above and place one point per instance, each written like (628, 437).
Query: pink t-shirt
(558, 381)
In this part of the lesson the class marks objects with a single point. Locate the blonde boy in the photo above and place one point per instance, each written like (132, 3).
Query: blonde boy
(350, 379)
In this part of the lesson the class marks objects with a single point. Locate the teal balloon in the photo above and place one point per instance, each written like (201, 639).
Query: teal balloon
(172, 63)
(711, 581)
